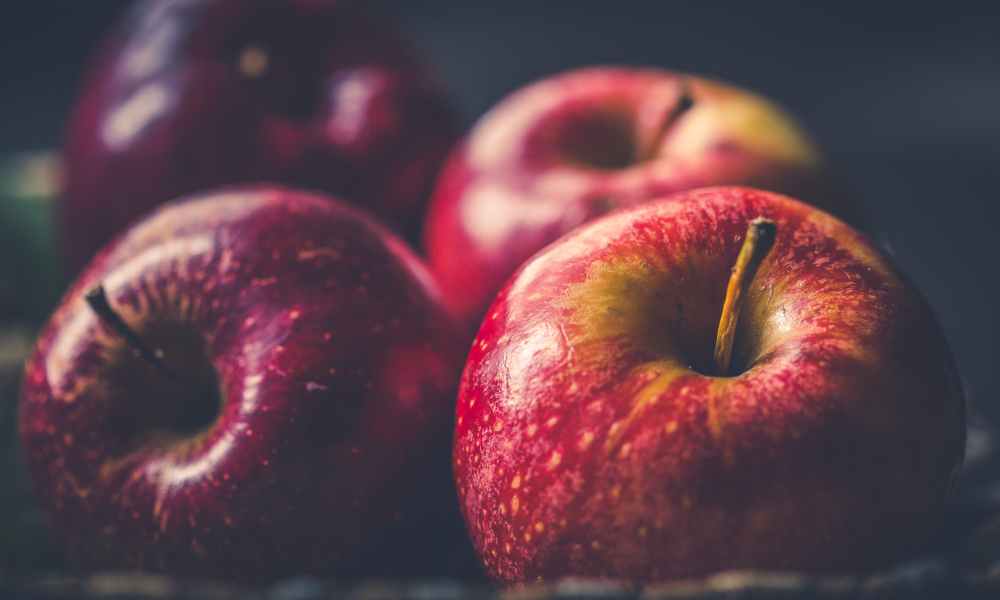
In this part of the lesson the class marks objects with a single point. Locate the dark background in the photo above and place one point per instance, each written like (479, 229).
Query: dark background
(905, 99)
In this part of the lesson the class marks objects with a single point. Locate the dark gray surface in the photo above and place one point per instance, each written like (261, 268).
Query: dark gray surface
(927, 581)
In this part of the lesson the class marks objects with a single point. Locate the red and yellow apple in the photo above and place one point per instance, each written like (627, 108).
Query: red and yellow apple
(187, 95)
(572, 147)
(596, 437)
(250, 384)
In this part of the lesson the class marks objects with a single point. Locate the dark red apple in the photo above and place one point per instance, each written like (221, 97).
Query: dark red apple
(190, 94)
(596, 437)
(249, 384)
(567, 149)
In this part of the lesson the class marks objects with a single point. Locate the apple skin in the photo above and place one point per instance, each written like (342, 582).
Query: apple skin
(572, 147)
(589, 441)
(336, 364)
(187, 95)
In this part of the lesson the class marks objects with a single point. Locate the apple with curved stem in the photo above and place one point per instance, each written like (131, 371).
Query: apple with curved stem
(249, 384)
(601, 433)
(187, 95)
(565, 150)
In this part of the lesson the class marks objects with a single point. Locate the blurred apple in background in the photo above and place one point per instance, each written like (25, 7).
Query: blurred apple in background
(251, 384)
(190, 94)
(596, 436)
(572, 147)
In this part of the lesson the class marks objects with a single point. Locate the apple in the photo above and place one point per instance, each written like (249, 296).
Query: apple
(572, 147)
(186, 95)
(596, 436)
(249, 384)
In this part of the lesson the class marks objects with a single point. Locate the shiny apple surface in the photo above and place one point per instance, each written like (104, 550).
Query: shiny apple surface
(567, 149)
(594, 438)
(300, 423)
(186, 95)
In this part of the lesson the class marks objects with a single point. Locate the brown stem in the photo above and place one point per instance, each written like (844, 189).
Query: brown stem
(685, 102)
(254, 61)
(97, 299)
(758, 241)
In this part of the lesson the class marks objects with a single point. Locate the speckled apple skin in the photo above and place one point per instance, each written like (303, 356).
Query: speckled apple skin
(337, 366)
(590, 443)
(565, 150)
(176, 101)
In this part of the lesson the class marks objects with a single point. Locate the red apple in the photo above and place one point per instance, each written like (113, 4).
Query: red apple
(595, 437)
(190, 94)
(567, 149)
(249, 384)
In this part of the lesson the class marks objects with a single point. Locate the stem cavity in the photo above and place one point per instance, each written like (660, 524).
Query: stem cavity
(756, 245)
(97, 299)
(685, 102)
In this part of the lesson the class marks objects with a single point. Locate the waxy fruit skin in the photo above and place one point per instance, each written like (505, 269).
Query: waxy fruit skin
(336, 366)
(593, 439)
(570, 148)
(188, 95)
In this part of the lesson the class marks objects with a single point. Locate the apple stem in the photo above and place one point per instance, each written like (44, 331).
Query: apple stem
(97, 299)
(254, 61)
(685, 102)
(756, 244)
